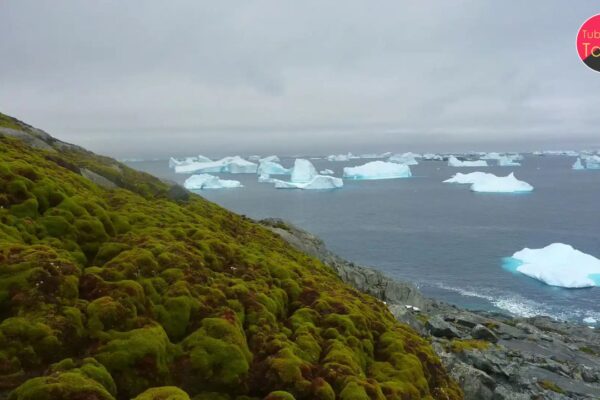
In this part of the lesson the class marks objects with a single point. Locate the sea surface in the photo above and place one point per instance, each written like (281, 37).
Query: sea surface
(447, 240)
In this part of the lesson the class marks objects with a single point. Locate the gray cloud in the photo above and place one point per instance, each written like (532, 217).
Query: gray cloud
(150, 77)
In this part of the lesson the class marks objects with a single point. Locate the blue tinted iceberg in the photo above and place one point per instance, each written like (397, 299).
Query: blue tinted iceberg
(455, 162)
(378, 170)
(592, 162)
(207, 181)
(270, 158)
(500, 184)
(233, 165)
(326, 172)
(557, 265)
(507, 161)
(432, 157)
(272, 168)
(578, 165)
(173, 162)
(406, 158)
(318, 182)
(303, 171)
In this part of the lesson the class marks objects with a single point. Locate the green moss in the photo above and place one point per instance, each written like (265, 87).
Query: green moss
(182, 293)
(460, 345)
(70, 385)
(280, 395)
(548, 385)
(163, 393)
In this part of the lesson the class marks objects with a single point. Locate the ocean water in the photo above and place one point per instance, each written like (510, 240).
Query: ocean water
(444, 238)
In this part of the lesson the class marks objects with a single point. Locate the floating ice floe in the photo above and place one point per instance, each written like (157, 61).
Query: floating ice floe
(272, 168)
(305, 176)
(326, 172)
(432, 157)
(569, 153)
(303, 171)
(272, 158)
(173, 162)
(207, 181)
(501, 184)
(377, 170)
(406, 158)
(375, 155)
(592, 162)
(455, 162)
(590, 320)
(557, 264)
(507, 161)
(318, 182)
(491, 156)
(341, 157)
(469, 178)
(233, 165)
(578, 165)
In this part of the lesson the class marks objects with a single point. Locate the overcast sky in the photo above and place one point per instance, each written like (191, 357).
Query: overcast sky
(155, 78)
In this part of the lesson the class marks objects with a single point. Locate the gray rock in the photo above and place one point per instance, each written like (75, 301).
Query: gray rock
(484, 333)
(98, 179)
(440, 328)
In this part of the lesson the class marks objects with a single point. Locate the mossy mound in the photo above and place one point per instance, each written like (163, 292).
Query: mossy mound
(126, 293)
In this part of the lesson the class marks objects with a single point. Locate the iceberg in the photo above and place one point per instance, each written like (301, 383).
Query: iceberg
(432, 157)
(233, 165)
(377, 170)
(455, 162)
(326, 172)
(270, 159)
(578, 165)
(470, 178)
(491, 156)
(318, 182)
(265, 178)
(592, 162)
(173, 162)
(507, 161)
(303, 171)
(501, 184)
(406, 158)
(272, 168)
(207, 181)
(341, 157)
(557, 264)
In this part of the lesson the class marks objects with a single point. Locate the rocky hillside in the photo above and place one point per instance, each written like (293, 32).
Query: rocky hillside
(492, 356)
(115, 285)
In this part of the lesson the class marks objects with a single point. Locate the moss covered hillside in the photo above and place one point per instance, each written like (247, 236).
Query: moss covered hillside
(114, 285)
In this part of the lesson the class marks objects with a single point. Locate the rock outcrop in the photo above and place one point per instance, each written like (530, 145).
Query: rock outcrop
(492, 356)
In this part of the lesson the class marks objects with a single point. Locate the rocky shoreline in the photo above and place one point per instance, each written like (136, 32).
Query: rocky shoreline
(493, 356)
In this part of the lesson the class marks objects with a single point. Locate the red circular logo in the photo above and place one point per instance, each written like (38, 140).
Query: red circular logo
(588, 42)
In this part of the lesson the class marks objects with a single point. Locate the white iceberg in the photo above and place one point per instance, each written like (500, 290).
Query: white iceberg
(491, 156)
(578, 165)
(455, 162)
(501, 184)
(318, 182)
(470, 178)
(272, 158)
(592, 162)
(326, 172)
(375, 155)
(590, 320)
(233, 165)
(558, 264)
(432, 157)
(341, 157)
(507, 161)
(173, 162)
(272, 168)
(303, 171)
(207, 181)
(377, 170)
(265, 178)
(406, 158)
